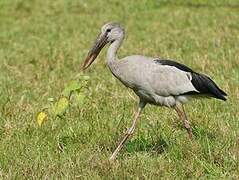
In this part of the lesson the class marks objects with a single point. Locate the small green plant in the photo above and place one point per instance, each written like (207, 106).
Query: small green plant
(74, 92)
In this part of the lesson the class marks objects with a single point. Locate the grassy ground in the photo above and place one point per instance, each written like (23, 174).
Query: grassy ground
(42, 44)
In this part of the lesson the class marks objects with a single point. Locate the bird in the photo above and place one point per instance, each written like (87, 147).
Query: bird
(156, 81)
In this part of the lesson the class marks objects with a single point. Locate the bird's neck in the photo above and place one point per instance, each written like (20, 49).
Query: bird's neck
(112, 52)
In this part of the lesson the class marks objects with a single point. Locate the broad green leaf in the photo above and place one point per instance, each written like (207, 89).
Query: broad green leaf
(72, 86)
(80, 98)
(41, 117)
(61, 106)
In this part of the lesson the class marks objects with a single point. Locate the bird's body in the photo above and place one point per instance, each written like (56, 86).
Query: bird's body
(155, 81)
(159, 82)
(150, 80)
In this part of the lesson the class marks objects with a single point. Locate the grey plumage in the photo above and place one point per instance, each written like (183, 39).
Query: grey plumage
(155, 81)
(204, 85)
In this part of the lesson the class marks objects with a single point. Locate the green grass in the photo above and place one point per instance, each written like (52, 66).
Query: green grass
(43, 43)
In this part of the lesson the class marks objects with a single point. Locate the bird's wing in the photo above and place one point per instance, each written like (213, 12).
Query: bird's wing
(170, 79)
(165, 78)
(177, 79)
(161, 77)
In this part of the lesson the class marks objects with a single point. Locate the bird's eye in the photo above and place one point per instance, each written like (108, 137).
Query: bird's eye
(108, 30)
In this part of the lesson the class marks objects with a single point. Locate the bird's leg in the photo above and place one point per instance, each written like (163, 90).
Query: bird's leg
(180, 110)
(129, 132)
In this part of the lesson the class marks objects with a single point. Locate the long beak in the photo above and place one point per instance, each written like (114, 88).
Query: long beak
(100, 42)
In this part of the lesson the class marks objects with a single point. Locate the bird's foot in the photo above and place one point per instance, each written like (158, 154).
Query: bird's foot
(189, 129)
(190, 134)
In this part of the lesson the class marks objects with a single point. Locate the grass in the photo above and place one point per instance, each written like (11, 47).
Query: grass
(43, 43)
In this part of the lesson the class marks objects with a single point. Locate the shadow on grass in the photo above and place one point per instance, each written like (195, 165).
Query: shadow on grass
(141, 144)
(199, 131)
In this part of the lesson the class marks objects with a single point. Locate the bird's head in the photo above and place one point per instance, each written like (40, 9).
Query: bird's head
(110, 32)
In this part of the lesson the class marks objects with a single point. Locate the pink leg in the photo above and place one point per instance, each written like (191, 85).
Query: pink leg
(129, 132)
(180, 110)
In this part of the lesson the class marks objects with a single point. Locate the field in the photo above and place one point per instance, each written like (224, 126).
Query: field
(42, 46)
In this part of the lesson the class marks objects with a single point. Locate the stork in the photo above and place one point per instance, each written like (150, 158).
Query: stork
(155, 81)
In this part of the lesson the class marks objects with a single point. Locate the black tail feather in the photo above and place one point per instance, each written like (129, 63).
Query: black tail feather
(221, 91)
(205, 85)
